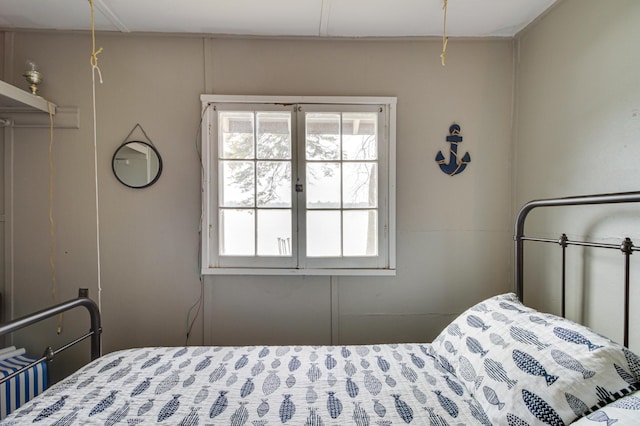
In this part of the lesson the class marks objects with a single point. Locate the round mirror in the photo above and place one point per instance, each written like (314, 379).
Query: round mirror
(137, 164)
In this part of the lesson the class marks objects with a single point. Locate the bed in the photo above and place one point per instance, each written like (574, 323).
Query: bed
(499, 362)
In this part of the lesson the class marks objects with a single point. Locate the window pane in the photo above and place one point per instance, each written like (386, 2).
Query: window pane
(323, 233)
(274, 183)
(360, 185)
(236, 184)
(360, 233)
(274, 135)
(323, 136)
(237, 232)
(274, 233)
(236, 134)
(323, 185)
(359, 137)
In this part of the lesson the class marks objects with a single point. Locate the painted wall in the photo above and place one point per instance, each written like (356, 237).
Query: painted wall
(578, 132)
(148, 238)
(454, 234)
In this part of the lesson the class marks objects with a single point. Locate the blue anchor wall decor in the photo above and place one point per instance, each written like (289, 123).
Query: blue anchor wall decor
(456, 165)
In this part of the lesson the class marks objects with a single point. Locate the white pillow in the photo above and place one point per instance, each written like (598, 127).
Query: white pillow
(524, 365)
(625, 411)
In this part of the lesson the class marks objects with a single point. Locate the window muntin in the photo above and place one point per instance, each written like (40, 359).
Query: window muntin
(298, 188)
(254, 183)
(342, 191)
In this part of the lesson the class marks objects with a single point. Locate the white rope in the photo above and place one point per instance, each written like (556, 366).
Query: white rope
(94, 68)
(445, 39)
(95, 171)
(52, 244)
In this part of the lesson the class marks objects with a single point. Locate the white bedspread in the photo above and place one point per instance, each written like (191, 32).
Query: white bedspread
(298, 385)
(499, 362)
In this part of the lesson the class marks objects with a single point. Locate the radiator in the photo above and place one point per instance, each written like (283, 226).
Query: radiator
(24, 386)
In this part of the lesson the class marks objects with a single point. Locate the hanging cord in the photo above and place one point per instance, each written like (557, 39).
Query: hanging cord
(445, 39)
(94, 53)
(199, 302)
(138, 126)
(52, 245)
(94, 68)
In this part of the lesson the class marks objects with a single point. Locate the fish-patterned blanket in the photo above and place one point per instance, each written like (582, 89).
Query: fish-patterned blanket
(499, 362)
(260, 385)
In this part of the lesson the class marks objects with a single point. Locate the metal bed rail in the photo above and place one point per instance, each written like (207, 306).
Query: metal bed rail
(626, 246)
(94, 332)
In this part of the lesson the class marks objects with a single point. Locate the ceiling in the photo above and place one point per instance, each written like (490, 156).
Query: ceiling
(292, 18)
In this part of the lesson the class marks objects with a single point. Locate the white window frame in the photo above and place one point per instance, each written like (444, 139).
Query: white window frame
(383, 264)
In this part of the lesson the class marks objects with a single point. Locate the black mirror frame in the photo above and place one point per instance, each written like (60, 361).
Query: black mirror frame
(153, 148)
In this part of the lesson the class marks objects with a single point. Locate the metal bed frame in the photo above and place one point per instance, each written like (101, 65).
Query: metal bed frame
(626, 246)
(94, 332)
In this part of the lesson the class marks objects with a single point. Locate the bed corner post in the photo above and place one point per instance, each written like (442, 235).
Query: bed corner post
(96, 326)
(519, 251)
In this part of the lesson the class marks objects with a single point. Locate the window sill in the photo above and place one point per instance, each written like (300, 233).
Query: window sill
(300, 272)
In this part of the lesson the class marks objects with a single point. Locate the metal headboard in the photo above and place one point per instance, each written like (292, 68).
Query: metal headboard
(626, 246)
(94, 332)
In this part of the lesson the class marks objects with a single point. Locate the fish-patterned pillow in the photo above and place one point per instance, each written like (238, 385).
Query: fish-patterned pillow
(526, 367)
(624, 411)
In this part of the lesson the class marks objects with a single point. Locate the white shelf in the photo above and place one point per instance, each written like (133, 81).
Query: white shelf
(14, 99)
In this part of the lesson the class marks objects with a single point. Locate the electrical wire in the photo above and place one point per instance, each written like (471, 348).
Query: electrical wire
(199, 305)
(190, 323)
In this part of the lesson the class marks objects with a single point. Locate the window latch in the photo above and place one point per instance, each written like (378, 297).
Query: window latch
(299, 187)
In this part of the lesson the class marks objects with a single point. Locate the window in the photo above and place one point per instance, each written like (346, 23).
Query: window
(298, 185)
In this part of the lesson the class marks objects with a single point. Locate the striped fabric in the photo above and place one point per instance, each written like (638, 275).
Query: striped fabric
(23, 387)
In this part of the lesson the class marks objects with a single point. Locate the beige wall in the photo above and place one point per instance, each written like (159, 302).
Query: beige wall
(148, 238)
(578, 132)
(454, 233)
